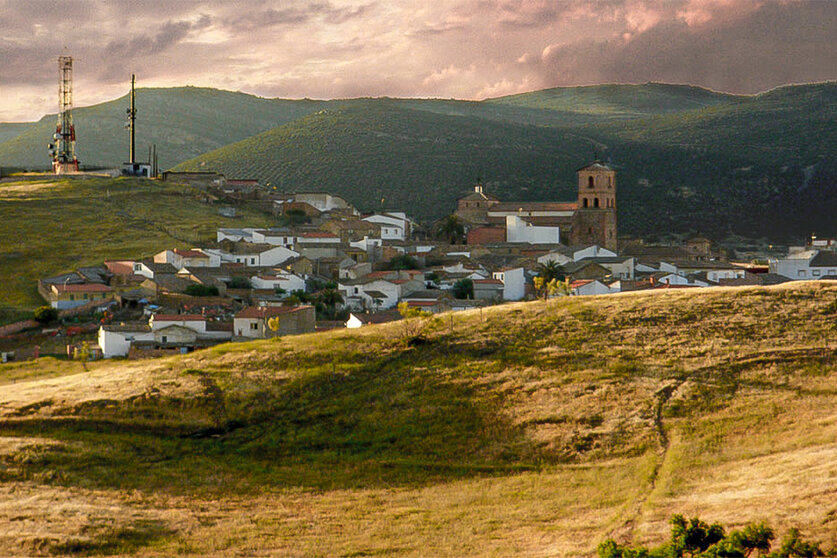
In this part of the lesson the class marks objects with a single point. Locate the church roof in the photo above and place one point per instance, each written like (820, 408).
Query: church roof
(479, 196)
(595, 166)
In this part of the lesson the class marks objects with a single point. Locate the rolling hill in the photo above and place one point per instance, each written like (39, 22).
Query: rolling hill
(757, 166)
(52, 226)
(184, 122)
(534, 429)
(689, 159)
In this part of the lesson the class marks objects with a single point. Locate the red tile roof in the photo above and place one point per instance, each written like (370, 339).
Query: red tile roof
(83, 288)
(314, 234)
(178, 318)
(268, 311)
(189, 253)
(580, 283)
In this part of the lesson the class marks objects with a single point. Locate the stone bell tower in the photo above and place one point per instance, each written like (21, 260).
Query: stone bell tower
(595, 219)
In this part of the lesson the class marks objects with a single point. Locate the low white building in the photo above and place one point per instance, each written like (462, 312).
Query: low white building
(182, 332)
(519, 230)
(589, 287)
(806, 265)
(278, 280)
(394, 226)
(258, 255)
(254, 322)
(514, 282)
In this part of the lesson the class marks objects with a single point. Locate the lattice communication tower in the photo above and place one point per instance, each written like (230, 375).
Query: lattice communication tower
(63, 150)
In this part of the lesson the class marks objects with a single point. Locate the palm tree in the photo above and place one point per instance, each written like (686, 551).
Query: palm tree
(551, 270)
(451, 229)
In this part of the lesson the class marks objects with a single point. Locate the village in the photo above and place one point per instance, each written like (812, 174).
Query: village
(326, 266)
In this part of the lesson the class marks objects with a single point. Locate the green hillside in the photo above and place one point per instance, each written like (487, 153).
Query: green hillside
(53, 226)
(757, 166)
(10, 130)
(416, 160)
(619, 101)
(183, 122)
(532, 429)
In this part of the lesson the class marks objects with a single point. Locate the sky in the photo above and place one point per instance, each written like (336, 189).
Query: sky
(464, 49)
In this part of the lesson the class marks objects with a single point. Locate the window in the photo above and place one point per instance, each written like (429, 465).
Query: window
(590, 182)
(584, 204)
(801, 273)
(252, 261)
(595, 202)
(254, 326)
(165, 339)
(815, 273)
(85, 296)
(609, 181)
(72, 297)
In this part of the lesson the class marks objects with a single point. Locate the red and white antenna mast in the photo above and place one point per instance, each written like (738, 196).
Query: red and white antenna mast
(63, 150)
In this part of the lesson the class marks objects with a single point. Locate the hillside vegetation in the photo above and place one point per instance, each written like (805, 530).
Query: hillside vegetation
(183, 122)
(535, 429)
(688, 159)
(53, 226)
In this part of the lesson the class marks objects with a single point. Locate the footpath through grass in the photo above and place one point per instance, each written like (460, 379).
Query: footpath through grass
(536, 429)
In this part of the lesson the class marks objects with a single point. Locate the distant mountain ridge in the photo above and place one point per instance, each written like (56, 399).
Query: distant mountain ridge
(689, 159)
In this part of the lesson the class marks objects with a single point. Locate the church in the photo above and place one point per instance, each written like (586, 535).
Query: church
(591, 219)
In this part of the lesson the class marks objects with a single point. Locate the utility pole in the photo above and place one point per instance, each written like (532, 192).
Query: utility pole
(132, 117)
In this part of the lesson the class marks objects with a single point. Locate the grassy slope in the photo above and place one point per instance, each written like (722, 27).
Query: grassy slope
(757, 166)
(419, 161)
(183, 122)
(50, 227)
(619, 101)
(535, 429)
(9, 130)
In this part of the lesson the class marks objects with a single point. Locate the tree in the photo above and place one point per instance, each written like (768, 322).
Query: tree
(550, 270)
(201, 290)
(238, 283)
(464, 289)
(403, 261)
(45, 314)
(451, 229)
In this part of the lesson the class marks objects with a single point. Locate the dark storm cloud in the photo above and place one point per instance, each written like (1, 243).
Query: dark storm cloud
(775, 45)
(294, 15)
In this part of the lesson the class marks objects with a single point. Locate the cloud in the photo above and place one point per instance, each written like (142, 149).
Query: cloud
(445, 48)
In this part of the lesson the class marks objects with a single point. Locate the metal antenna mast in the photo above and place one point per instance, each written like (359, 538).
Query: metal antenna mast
(132, 118)
(63, 151)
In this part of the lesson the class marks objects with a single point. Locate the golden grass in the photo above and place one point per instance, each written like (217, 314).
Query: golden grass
(534, 429)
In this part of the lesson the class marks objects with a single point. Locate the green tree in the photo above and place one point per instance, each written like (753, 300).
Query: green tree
(451, 229)
(464, 289)
(403, 261)
(201, 290)
(45, 314)
(551, 270)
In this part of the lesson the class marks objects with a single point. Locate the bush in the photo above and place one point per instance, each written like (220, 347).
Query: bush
(238, 283)
(201, 290)
(45, 314)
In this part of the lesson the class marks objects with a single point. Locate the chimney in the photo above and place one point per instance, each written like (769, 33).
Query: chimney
(478, 188)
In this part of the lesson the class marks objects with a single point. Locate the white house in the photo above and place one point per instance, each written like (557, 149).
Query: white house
(375, 293)
(394, 226)
(521, 231)
(514, 282)
(187, 258)
(253, 322)
(714, 270)
(592, 251)
(163, 331)
(280, 279)
(809, 264)
(258, 255)
(589, 287)
(556, 257)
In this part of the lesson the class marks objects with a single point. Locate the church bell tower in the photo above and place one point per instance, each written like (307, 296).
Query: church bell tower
(595, 220)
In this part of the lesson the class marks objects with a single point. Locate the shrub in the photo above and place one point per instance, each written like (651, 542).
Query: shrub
(45, 314)
(201, 290)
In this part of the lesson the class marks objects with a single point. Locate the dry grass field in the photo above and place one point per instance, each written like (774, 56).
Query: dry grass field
(532, 429)
(50, 226)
